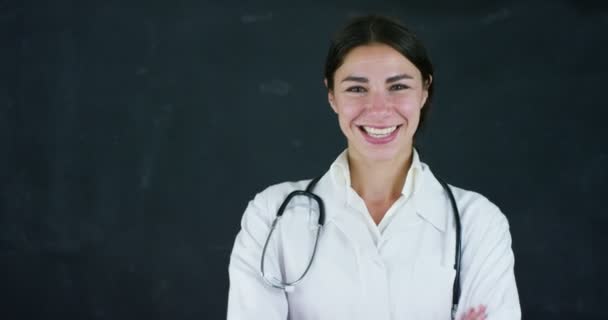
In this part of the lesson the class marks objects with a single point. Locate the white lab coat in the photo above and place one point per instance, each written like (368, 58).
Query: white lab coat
(399, 269)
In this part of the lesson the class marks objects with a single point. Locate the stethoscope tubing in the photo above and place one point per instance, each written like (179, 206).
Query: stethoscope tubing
(287, 286)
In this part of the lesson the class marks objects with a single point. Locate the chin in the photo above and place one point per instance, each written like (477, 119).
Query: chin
(379, 153)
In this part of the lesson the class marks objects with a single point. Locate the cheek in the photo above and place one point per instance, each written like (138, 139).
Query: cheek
(349, 110)
(407, 106)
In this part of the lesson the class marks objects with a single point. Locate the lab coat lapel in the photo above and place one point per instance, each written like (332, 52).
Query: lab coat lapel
(431, 200)
(340, 215)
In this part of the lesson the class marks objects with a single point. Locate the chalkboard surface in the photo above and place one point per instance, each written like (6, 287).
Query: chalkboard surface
(133, 134)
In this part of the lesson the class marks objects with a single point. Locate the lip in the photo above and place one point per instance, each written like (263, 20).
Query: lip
(379, 141)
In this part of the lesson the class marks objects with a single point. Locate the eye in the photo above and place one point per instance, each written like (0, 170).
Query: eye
(398, 86)
(356, 89)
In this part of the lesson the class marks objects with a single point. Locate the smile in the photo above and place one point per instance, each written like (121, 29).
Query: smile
(379, 134)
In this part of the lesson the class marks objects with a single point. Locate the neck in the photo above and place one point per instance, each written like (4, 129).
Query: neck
(379, 181)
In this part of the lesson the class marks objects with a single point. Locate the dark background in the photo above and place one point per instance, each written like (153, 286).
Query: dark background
(133, 134)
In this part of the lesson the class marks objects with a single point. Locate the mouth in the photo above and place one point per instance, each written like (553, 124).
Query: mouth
(379, 135)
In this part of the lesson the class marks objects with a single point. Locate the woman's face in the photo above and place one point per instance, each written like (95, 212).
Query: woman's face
(378, 95)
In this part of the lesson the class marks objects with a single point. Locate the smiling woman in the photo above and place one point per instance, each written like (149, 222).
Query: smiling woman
(375, 236)
(379, 97)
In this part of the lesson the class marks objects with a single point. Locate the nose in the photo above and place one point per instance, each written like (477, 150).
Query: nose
(378, 102)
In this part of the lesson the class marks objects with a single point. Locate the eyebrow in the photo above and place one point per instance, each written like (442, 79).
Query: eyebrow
(355, 79)
(398, 77)
(388, 80)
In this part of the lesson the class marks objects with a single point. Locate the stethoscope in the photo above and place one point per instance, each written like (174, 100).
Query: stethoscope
(288, 286)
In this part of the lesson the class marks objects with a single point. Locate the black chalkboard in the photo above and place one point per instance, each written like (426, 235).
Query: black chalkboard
(133, 134)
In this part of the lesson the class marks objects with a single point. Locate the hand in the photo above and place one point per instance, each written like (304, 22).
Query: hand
(478, 313)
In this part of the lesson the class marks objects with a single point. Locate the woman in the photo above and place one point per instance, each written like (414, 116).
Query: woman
(386, 250)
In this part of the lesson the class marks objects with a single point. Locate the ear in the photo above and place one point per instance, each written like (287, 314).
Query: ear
(330, 97)
(425, 92)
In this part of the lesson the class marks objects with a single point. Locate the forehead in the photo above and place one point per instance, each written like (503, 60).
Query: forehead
(376, 58)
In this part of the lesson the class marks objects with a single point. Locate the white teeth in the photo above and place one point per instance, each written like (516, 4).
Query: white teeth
(379, 133)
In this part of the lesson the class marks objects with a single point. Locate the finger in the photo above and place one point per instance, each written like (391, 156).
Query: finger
(480, 313)
(465, 316)
(468, 315)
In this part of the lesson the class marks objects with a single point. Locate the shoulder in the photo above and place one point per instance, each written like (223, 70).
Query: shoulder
(280, 191)
(476, 210)
(478, 213)
(267, 201)
(476, 205)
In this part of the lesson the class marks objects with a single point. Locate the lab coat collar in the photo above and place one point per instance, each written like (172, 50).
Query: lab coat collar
(421, 187)
(340, 172)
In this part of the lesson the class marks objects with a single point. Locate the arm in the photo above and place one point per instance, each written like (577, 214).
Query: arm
(249, 296)
(487, 272)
